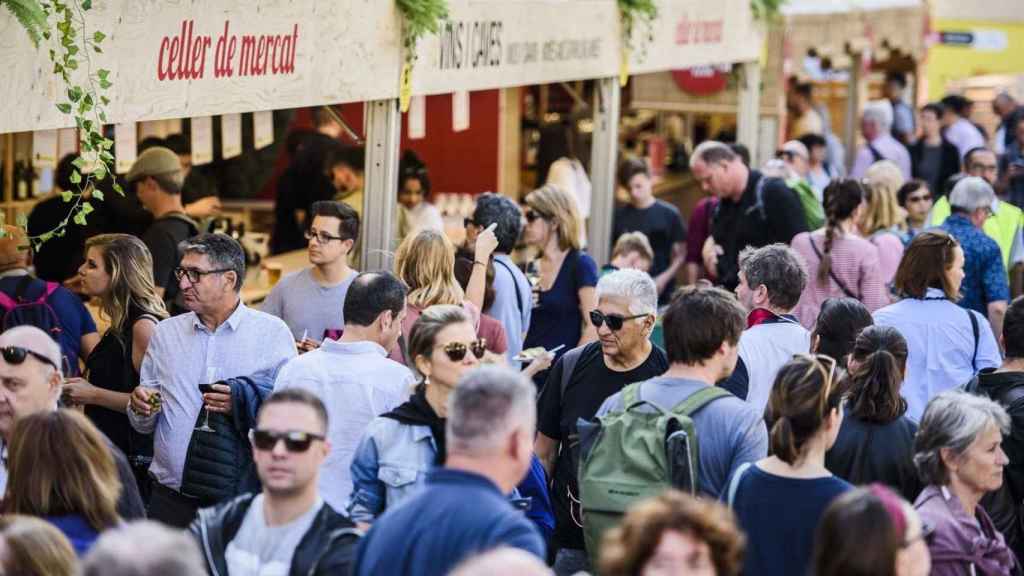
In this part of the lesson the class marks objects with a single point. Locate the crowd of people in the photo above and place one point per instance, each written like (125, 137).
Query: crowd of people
(836, 389)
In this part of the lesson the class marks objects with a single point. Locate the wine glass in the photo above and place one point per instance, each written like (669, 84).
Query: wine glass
(205, 388)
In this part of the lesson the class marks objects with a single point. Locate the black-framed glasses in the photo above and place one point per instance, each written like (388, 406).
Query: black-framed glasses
(321, 236)
(456, 351)
(195, 275)
(532, 215)
(15, 355)
(614, 321)
(294, 441)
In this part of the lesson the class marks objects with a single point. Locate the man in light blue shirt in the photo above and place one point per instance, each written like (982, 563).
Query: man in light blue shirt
(513, 295)
(353, 376)
(220, 338)
(879, 144)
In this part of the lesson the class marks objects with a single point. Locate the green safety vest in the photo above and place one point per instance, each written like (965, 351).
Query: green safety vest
(1003, 226)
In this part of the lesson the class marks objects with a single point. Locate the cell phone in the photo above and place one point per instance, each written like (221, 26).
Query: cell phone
(206, 388)
(677, 452)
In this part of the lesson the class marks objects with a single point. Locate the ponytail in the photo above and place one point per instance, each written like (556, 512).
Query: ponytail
(842, 197)
(798, 406)
(880, 355)
(783, 441)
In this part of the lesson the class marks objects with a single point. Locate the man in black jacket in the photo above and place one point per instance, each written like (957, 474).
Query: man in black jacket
(1006, 386)
(288, 529)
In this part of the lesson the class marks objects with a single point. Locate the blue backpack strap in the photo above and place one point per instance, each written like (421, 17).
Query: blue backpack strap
(734, 485)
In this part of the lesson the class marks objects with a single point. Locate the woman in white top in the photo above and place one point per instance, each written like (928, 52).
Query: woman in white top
(416, 212)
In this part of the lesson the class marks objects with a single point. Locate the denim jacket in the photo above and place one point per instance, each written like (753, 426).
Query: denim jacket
(389, 465)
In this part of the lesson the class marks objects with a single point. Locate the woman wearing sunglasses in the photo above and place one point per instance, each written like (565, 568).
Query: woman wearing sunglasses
(118, 270)
(871, 531)
(779, 500)
(399, 447)
(959, 456)
(564, 276)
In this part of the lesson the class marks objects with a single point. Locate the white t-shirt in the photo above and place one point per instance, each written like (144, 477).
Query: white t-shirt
(261, 550)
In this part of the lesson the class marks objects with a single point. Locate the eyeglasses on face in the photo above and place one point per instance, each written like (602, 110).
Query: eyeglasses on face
(15, 355)
(294, 440)
(321, 236)
(456, 351)
(615, 322)
(533, 215)
(195, 275)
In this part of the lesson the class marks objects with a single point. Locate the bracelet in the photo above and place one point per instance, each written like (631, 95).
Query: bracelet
(479, 263)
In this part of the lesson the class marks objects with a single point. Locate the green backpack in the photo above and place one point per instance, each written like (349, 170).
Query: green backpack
(634, 454)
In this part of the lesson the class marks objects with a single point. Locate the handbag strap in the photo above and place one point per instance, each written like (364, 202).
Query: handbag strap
(831, 272)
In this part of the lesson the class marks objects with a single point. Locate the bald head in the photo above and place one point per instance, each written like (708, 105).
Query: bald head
(34, 339)
(503, 562)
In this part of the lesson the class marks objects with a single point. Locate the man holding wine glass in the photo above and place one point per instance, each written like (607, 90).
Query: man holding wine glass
(211, 368)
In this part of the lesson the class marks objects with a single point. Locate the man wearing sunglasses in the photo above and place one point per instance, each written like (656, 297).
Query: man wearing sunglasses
(223, 343)
(310, 300)
(353, 375)
(30, 383)
(287, 529)
(627, 303)
(464, 509)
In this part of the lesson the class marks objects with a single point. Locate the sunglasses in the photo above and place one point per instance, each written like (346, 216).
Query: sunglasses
(456, 351)
(532, 215)
(15, 355)
(827, 365)
(294, 441)
(615, 322)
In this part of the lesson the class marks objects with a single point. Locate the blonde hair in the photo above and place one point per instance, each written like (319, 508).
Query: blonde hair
(633, 242)
(83, 480)
(561, 210)
(130, 266)
(425, 261)
(883, 180)
(35, 548)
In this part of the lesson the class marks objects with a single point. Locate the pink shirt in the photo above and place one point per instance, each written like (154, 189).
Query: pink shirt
(855, 263)
(890, 252)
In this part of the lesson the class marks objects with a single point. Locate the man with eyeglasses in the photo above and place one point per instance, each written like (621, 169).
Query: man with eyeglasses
(353, 375)
(311, 300)
(287, 529)
(199, 459)
(580, 381)
(30, 383)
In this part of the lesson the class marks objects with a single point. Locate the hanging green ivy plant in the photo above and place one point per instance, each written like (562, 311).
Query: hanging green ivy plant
(419, 18)
(635, 12)
(61, 25)
(766, 10)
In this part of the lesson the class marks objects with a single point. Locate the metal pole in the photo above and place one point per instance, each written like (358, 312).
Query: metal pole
(380, 198)
(749, 113)
(603, 160)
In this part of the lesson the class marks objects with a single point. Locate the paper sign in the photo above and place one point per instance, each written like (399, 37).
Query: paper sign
(405, 88)
(230, 135)
(418, 117)
(460, 111)
(263, 128)
(202, 140)
(67, 142)
(125, 146)
(44, 148)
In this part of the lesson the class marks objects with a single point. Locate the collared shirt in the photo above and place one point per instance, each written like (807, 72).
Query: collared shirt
(182, 354)
(356, 382)
(513, 303)
(965, 136)
(984, 275)
(889, 148)
(940, 343)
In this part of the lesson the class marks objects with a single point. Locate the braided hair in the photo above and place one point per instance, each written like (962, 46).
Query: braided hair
(842, 197)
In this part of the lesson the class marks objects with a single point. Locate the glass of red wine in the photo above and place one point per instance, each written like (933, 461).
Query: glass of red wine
(211, 378)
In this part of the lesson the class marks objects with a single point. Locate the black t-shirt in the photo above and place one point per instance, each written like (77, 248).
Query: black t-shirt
(162, 239)
(662, 225)
(736, 225)
(589, 386)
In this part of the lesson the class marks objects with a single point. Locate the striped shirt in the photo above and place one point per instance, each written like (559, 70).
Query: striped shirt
(855, 264)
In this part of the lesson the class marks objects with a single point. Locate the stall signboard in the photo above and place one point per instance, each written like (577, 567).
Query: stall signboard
(196, 59)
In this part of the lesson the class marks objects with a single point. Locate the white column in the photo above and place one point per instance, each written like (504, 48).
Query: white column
(603, 167)
(854, 104)
(749, 113)
(380, 197)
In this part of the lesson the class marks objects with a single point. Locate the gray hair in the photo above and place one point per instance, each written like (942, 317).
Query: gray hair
(971, 193)
(879, 112)
(494, 208)
(505, 561)
(952, 420)
(223, 251)
(780, 269)
(635, 286)
(712, 151)
(486, 406)
(143, 548)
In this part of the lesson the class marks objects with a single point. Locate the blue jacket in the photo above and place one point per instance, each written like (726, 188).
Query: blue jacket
(78, 531)
(219, 464)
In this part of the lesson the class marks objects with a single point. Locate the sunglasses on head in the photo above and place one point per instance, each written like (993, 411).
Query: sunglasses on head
(456, 351)
(294, 441)
(615, 322)
(15, 355)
